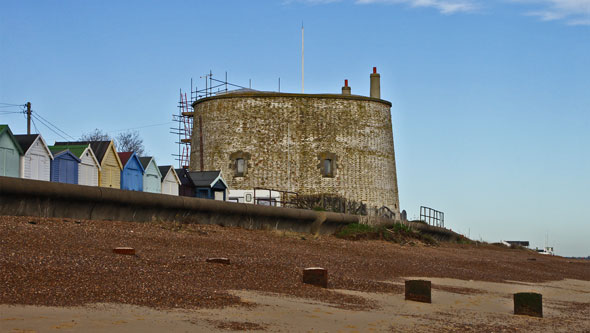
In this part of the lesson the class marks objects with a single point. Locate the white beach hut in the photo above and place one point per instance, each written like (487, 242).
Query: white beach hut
(36, 160)
(170, 180)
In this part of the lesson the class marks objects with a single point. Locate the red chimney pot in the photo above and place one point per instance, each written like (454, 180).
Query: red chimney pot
(374, 70)
(346, 83)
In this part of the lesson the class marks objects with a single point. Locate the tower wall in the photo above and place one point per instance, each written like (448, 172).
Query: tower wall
(284, 138)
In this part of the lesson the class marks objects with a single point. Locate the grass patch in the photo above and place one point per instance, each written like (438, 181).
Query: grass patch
(354, 229)
(463, 240)
(396, 233)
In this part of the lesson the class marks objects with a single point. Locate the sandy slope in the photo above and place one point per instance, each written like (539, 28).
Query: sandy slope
(487, 308)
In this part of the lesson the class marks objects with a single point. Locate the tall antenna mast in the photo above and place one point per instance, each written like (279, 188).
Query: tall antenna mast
(302, 60)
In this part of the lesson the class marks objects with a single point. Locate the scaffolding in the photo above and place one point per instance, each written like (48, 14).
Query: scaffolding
(185, 115)
(214, 86)
(184, 129)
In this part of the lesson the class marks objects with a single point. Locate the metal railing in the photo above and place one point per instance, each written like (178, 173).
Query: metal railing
(285, 198)
(385, 212)
(432, 216)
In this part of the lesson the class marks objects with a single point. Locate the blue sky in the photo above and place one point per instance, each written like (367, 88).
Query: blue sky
(490, 98)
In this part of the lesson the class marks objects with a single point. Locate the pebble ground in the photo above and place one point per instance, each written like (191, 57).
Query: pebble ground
(65, 262)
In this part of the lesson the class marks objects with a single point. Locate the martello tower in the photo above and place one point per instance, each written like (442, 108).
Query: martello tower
(306, 143)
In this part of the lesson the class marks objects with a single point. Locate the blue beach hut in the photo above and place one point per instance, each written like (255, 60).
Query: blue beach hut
(64, 166)
(209, 184)
(132, 173)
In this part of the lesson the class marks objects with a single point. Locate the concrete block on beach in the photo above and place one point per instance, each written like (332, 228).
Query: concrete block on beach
(124, 250)
(529, 304)
(224, 261)
(419, 291)
(316, 276)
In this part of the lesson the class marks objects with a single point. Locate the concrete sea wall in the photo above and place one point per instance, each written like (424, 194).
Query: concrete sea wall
(24, 197)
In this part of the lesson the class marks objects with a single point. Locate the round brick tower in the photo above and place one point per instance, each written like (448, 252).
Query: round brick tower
(304, 143)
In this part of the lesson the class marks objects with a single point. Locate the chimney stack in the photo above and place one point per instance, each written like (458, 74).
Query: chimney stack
(375, 84)
(346, 88)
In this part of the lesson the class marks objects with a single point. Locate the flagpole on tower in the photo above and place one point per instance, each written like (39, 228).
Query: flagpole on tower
(302, 59)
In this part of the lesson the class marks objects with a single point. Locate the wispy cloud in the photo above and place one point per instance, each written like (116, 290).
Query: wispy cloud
(444, 6)
(573, 12)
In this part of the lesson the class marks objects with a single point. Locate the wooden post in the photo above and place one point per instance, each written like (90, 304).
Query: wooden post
(316, 276)
(224, 261)
(419, 291)
(124, 250)
(529, 304)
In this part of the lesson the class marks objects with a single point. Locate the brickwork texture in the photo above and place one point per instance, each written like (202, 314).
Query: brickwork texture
(284, 138)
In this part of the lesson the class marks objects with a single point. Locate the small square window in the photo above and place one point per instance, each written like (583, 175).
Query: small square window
(328, 164)
(239, 163)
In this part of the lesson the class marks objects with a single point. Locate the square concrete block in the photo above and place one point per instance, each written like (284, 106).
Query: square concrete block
(124, 250)
(316, 276)
(419, 291)
(529, 304)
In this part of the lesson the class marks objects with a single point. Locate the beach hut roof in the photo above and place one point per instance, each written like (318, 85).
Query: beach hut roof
(164, 169)
(145, 161)
(99, 148)
(5, 128)
(78, 151)
(126, 156)
(27, 140)
(206, 178)
(184, 177)
(59, 151)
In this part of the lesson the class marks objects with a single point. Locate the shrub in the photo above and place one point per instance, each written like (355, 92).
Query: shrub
(354, 229)
(396, 233)
(463, 240)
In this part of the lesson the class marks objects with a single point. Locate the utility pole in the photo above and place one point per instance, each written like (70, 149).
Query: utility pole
(28, 117)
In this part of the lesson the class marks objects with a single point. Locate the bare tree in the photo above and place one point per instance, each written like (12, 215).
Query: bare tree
(96, 135)
(125, 141)
(130, 141)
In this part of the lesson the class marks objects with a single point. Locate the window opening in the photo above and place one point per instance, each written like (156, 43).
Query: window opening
(327, 167)
(240, 167)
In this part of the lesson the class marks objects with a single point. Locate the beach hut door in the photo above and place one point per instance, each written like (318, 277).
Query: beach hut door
(219, 195)
(34, 163)
(4, 153)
